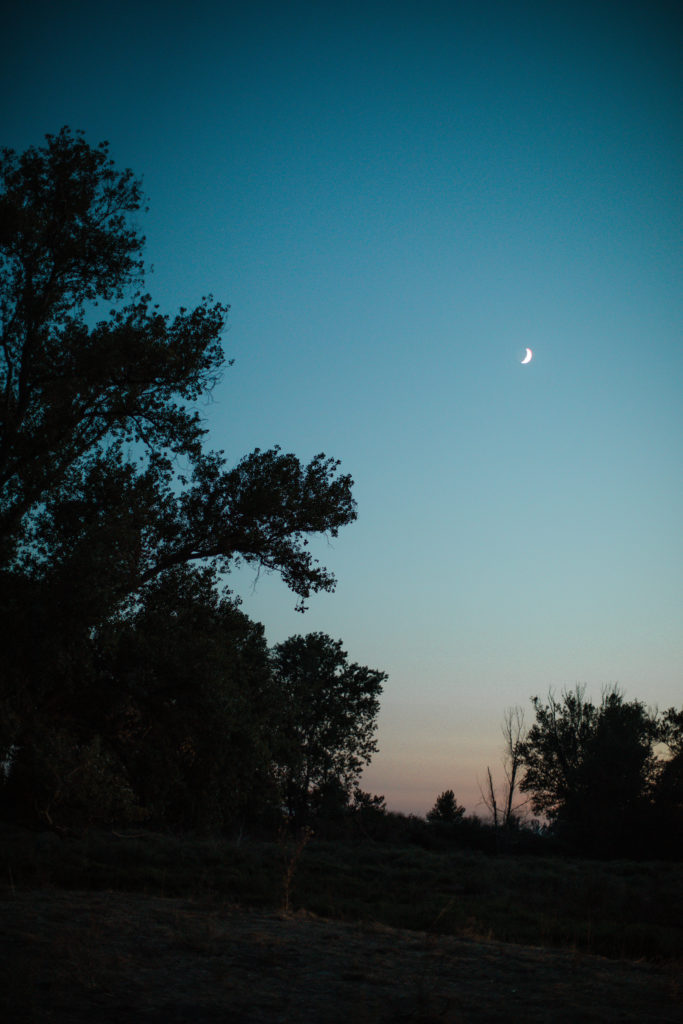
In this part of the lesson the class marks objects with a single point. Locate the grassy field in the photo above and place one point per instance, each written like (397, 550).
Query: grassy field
(617, 909)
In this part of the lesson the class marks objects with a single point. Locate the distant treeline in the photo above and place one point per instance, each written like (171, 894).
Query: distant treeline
(605, 779)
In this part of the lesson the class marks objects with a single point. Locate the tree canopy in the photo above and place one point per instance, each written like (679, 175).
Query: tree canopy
(115, 517)
(75, 395)
(446, 810)
(327, 719)
(594, 770)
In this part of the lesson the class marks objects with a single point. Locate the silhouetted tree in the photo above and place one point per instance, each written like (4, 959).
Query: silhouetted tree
(74, 395)
(503, 813)
(590, 769)
(193, 689)
(446, 810)
(67, 241)
(105, 487)
(72, 392)
(328, 711)
(171, 721)
(667, 791)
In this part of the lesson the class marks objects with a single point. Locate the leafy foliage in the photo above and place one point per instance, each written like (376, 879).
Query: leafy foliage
(593, 770)
(75, 397)
(67, 242)
(327, 720)
(446, 810)
(115, 522)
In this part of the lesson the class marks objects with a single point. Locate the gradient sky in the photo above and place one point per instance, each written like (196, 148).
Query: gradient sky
(397, 199)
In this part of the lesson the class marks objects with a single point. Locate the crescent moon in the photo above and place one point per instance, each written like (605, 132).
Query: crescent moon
(527, 357)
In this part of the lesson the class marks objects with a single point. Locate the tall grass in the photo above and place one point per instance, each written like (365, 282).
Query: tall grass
(616, 908)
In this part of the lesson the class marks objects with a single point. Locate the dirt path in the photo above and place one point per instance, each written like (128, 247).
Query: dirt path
(108, 958)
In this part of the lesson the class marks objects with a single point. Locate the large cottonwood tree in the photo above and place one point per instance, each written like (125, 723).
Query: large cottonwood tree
(106, 482)
(74, 395)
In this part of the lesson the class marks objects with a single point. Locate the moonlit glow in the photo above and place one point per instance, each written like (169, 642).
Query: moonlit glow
(527, 357)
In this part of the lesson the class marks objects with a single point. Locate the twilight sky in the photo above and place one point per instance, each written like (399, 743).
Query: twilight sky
(396, 199)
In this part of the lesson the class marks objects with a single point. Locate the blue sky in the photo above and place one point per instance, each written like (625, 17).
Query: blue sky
(397, 199)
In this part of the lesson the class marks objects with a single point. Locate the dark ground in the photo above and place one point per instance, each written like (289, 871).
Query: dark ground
(108, 958)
